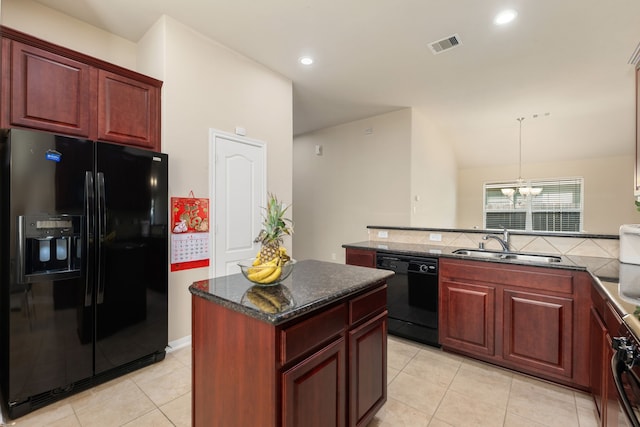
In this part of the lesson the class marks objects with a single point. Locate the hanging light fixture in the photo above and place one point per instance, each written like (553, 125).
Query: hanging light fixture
(522, 187)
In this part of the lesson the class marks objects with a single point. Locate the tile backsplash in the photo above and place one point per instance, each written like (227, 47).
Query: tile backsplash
(552, 245)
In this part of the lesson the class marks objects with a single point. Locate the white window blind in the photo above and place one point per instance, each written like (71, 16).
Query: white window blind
(558, 207)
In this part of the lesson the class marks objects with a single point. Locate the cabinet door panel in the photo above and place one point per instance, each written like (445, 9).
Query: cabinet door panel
(467, 317)
(367, 370)
(538, 331)
(613, 414)
(597, 364)
(128, 111)
(361, 257)
(314, 391)
(49, 92)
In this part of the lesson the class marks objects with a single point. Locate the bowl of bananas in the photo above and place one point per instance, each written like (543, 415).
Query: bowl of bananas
(268, 273)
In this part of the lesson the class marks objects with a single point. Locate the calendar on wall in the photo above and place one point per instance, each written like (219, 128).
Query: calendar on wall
(189, 232)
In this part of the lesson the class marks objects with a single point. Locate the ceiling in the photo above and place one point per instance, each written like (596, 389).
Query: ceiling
(567, 58)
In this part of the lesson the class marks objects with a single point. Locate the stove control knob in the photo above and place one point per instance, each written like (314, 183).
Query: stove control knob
(618, 342)
(626, 351)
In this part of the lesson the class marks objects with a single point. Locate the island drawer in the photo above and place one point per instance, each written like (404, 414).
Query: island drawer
(367, 304)
(312, 332)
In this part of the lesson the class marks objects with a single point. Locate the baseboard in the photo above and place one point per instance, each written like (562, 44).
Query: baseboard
(179, 343)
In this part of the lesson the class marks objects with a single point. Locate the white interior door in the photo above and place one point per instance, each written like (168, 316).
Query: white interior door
(239, 194)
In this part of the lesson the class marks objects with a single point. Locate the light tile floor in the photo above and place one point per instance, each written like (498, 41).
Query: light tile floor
(427, 387)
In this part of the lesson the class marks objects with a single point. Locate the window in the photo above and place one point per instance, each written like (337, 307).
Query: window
(553, 205)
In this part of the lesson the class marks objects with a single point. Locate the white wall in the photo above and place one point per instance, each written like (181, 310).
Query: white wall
(608, 190)
(433, 175)
(206, 85)
(370, 173)
(45, 23)
(360, 179)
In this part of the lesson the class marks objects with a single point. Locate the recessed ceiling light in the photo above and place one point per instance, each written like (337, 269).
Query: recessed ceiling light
(505, 17)
(306, 60)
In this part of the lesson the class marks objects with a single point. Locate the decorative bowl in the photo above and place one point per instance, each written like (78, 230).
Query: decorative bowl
(265, 275)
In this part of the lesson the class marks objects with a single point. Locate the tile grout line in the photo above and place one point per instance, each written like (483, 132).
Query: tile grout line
(445, 393)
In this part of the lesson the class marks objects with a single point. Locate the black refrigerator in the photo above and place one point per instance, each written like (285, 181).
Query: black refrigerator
(83, 264)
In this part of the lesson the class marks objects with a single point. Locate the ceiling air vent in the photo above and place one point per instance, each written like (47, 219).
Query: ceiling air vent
(445, 44)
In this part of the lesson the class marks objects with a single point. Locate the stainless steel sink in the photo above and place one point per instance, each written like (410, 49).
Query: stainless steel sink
(515, 256)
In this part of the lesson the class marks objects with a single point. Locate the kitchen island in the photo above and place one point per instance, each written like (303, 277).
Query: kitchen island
(310, 351)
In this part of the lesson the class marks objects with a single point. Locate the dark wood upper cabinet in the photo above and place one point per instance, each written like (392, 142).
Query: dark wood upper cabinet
(49, 92)
(128, 110)
(52, 88)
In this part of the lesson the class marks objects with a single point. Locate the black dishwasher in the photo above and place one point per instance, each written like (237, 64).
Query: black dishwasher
(412, 296)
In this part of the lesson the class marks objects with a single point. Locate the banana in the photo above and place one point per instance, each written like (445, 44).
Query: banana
(262, 271)
(273, 276)
(283, 254)
(261, 274)
(257, 261)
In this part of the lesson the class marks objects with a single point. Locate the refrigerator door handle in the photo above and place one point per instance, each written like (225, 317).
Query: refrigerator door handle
(101, 218)
(88, 237)
(20, 251)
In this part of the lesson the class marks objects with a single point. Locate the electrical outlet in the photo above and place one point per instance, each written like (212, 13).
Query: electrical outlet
(383, 234)
(333, 256)
(435, 237)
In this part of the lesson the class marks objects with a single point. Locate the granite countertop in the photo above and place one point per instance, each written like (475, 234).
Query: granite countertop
(624, 294)
(619, 281)
(603, 268)
(312, 284)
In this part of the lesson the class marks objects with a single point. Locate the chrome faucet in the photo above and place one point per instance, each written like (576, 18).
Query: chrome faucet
(504, 242)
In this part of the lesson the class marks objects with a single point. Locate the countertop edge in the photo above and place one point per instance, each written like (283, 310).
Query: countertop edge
(297, 311)
(568, 262)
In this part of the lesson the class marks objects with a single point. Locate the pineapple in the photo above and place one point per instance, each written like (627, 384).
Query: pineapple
(275, 227)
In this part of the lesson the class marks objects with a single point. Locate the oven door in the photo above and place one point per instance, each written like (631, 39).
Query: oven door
(627, 379)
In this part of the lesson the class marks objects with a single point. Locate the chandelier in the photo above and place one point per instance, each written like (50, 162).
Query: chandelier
(522, 187)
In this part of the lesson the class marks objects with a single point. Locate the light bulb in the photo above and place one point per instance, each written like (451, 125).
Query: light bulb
(505, 17)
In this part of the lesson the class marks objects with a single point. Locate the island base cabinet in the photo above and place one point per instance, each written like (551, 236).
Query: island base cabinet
(326, 368)
(314, 390)
(234, 382)
(368, 367)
